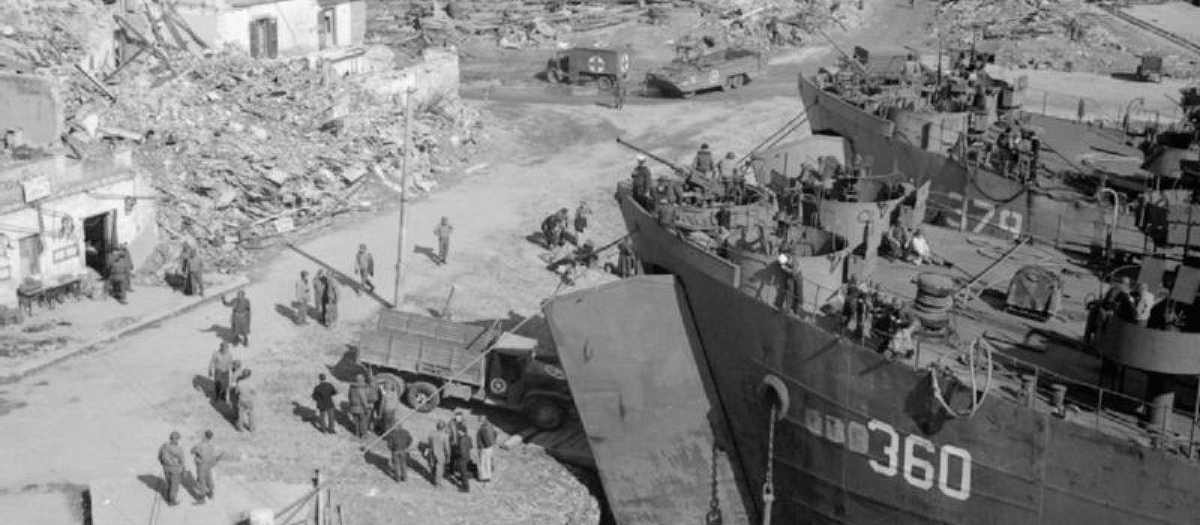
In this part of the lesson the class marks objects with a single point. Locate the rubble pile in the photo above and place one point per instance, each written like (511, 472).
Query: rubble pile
(514, 24)
(778, 23)
(243, 150)
(1044, 34)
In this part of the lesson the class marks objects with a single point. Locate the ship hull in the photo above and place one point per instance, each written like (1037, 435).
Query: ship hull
(988, 203)
(863, 441)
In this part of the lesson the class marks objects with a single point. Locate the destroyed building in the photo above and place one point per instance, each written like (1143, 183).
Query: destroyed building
(272, 28)
(61, 216)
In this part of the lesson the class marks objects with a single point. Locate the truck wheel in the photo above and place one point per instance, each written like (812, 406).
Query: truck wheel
(423, 396)
(394, 380)
(604, 83)
(553, 75)
(545, 413)
(498, 386)
(737, 81)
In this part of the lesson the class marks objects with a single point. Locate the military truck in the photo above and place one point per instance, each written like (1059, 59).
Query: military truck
(575, 65)
(695, 69)
(1150, 69)
(418, 355)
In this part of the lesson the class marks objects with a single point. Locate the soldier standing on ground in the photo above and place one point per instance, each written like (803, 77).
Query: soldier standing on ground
(399, 440)
(318, 297)
(303, 291)
(323, 395)
(618, 92)
(487, 443)
(239, 321)
(581, 217)
(389, 406)
(360, 404)
(193, 271)
(463, 445)
(220, 370)
(329, 305)
(206, 457)
(170, 455)
(439, 453)
(442, 232)
(119, 272)
(364, 266)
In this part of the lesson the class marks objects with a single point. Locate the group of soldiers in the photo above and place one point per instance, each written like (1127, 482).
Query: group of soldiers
(447, 450)
(1136, 305)
(557, 227)
(174, 465)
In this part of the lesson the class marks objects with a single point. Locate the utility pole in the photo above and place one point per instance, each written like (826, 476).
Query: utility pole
(403, 193)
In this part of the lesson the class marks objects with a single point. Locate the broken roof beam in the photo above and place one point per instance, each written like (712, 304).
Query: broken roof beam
(178, 20)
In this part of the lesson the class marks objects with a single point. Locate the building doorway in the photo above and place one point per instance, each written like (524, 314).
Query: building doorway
(327, 28)
(264, 38)
(99, 237)
(30, 249)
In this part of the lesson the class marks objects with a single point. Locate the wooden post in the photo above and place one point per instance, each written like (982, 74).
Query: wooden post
(403, 194)
(1195, 416)
(320, 501)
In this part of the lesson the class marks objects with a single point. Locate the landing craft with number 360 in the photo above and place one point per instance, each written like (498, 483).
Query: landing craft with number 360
(707, 399)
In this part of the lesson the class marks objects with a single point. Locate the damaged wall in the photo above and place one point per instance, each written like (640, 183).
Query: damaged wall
(62, 215)
(436, 76)
(32, 104)
(228, 22)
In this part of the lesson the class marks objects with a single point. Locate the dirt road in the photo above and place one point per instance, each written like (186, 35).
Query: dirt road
(104, 414)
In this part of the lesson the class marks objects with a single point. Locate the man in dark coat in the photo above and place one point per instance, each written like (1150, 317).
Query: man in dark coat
(703, 164)
(362, 400)
(193, 270)
(318, 285)
(323, 395)
(463, 444)
(642, 183)
(239, 321)
(220, 370)
(170, 456)
(399, 441)
(364, 266)
(120, 272)
(330, 300)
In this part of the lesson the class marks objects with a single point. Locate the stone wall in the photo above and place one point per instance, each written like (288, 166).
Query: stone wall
(436, 76)
(31, 103)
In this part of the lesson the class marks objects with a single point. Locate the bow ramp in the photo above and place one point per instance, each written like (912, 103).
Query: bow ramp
(642, 387)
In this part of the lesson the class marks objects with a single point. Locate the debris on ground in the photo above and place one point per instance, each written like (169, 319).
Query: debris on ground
(220, 134)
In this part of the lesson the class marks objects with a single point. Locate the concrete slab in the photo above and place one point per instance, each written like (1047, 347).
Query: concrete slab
(94, 322)
(41, 507)
(120, 501)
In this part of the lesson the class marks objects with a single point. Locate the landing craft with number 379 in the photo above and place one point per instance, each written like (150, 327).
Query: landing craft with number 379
(738, 390)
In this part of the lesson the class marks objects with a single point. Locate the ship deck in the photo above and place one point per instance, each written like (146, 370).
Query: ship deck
(1022, 345)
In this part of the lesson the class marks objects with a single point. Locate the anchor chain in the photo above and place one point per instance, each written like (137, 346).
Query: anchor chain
(768, 490)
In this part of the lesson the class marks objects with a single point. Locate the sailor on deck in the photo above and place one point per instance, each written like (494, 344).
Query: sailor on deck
(703, 164)
(791, 293)
(918, 249)
(641, 183)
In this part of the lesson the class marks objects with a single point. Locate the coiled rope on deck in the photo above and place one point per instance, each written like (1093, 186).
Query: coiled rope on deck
(976, 398)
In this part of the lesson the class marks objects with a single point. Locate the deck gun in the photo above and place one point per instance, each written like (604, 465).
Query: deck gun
(681, 171)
